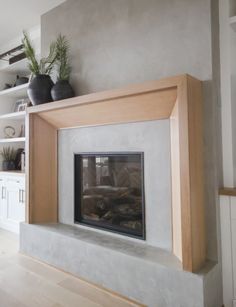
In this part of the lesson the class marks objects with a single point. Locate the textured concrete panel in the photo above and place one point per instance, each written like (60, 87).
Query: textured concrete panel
(114, 43)
(152, 138)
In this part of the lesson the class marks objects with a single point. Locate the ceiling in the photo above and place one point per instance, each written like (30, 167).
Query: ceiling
(17, 15)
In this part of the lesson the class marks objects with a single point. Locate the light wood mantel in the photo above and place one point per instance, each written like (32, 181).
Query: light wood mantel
(178, 99)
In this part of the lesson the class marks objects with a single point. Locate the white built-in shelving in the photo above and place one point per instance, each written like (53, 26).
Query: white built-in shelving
(14, 115)
(12, 207)
(13, 140)
(20, 68)
(8, 99)
(15, 92)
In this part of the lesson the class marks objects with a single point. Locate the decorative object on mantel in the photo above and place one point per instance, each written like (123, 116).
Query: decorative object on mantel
(13, 55)
(21, 105)
(17, 105)
(39, 90)
(7, 86)
(21, 80)
(9, 155)
(22, 163)
(18, 159)
(22, 131)
(9, 132)
(62, 89)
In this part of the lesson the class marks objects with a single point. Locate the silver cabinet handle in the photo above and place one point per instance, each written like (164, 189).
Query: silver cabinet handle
(23, 196)
(3, 192)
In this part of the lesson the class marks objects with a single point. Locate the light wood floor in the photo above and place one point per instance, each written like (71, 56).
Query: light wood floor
(25, 282)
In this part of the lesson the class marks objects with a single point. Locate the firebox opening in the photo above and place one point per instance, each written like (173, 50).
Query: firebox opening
(109, 192)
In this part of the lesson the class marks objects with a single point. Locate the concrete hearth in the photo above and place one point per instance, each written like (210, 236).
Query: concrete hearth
(147, 274)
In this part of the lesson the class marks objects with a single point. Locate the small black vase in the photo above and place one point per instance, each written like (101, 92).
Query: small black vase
(8, 165)
(62, 90)
(39, 90)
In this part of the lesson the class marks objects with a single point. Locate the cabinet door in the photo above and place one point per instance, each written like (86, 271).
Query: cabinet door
(14, 199)
(3, 207)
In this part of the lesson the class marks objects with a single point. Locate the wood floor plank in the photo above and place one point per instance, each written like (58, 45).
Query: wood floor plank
(38, 291)
(50, 274)
(7, 300)
(96, 294)
(18, 285)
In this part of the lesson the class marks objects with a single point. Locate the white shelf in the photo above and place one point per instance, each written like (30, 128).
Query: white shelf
(18, 68)
(14, 115)
(19, 91)
(232, 22)
(14, 172)
(13, 140)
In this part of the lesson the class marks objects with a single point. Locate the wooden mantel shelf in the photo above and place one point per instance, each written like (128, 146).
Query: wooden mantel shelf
(178, 99)
(60, 114)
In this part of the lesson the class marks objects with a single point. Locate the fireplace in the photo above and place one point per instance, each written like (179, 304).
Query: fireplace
(109, 192)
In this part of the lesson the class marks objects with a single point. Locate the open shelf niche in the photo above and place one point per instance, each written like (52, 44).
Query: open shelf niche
(9, 116)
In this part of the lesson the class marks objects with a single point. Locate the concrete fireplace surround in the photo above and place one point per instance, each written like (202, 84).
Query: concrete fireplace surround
(141, 271)
(153, 139)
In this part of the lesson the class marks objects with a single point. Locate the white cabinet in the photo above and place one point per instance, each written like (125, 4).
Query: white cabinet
(12, 201)
(2, 202)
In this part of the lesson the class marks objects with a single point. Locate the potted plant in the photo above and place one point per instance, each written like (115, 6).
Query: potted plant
(39, 90)
(62, 89)
(9, 155)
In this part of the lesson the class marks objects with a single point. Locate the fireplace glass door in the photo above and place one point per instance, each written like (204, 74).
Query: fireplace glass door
(109, 192)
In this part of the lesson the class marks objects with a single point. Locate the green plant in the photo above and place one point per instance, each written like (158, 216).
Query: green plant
(62, 59)
(44, 65)
(8, 154)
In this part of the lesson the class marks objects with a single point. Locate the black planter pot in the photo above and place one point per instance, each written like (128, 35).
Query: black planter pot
(39, 90)
(62, 90)
(8, 165)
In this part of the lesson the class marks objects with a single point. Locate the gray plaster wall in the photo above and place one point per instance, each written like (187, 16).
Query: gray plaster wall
(114, 43)
(153, 139)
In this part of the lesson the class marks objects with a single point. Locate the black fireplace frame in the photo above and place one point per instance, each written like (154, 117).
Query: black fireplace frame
(78, 219)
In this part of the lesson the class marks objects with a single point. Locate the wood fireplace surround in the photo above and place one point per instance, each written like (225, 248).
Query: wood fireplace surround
(178, 99)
